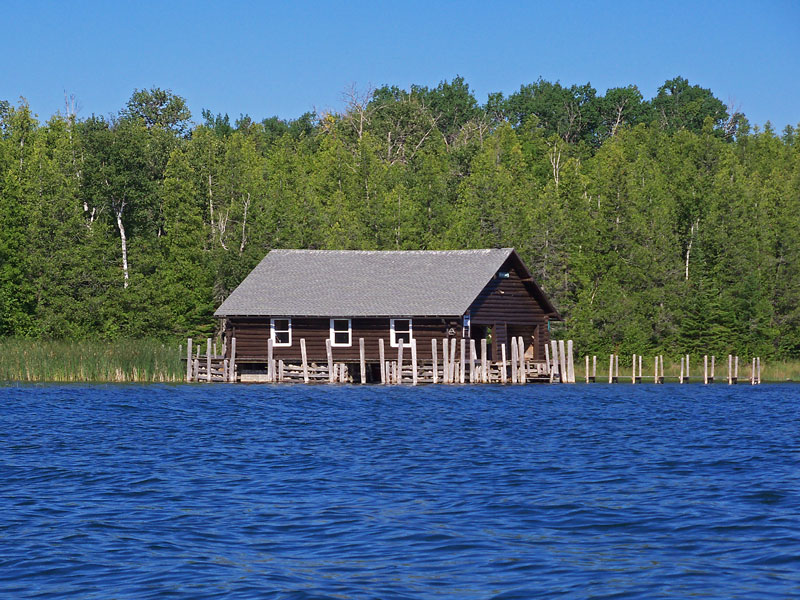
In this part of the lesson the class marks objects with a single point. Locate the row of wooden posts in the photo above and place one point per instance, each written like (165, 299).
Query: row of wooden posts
(455, 367)
(658, 369)
(459, 364)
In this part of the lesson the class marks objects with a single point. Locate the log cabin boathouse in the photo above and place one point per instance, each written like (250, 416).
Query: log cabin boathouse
(351, 308)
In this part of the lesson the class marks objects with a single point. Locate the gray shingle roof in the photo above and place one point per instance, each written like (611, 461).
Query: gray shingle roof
(355, 283)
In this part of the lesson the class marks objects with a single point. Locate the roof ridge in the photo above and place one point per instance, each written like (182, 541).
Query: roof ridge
(321, 251)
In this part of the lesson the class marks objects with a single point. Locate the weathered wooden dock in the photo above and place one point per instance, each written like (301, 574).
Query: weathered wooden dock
(462, 362)
(452, 363)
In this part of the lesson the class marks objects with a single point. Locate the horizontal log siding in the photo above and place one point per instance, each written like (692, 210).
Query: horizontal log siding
(252, 335)
(510, 301)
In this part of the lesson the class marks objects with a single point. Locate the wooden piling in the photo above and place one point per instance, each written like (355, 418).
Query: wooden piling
(687, 369)
(196, 365)
(304, 358)
(462, 366)
(556, 372)
(189, 359)
(435, 356)
(452, 376)
(639, 378)
(382, 358)
(280, 370)
(633, 369)
(562, 362)
(594, 368)
(570, 363)
(758, 364)
(616, 368)
(484, 362)
(472, 357)
(705, 369)
(329, 352)
(587, 368)
(362, 360)
(208, 360)
(713, 363)
(445, 361)
(558, 359)
(270, 362)
(414, 373)
(753, 372)
(225, 369)
(522, 369)
(503, 372)
(514, 361)
(611, 369)
(232, 367)
(399, 372)
(547, 361)
(681, 377)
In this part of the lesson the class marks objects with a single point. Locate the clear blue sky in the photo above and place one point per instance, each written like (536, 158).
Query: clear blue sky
(264, 58)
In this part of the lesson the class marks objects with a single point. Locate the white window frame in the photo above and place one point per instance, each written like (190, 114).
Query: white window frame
(332, 333)
(275, 342)
(393, 338)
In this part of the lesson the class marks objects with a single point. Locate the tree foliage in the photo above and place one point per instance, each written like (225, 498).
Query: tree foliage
(654, 225)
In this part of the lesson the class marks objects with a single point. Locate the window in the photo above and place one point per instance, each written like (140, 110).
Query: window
(280, 332)
(341, 332)
(401, 330)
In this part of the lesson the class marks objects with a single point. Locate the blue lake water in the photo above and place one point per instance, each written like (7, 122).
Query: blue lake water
(216, 491)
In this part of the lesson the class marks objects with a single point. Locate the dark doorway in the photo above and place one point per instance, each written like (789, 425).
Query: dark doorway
(482, 332)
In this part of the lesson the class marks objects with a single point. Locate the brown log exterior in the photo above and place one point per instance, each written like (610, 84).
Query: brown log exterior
(508, 305)
(253, 333)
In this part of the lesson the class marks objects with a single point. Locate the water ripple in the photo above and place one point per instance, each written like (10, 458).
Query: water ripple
(349, 492)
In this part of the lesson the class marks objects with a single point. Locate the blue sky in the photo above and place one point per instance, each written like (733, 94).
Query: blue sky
(271, 58)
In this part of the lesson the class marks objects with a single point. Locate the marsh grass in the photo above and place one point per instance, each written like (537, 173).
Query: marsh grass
(89, 361)
(780, 370)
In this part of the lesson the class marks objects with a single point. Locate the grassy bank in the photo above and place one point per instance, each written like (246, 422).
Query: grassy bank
(89, 360)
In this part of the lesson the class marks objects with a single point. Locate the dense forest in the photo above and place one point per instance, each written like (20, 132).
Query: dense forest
(667, 224)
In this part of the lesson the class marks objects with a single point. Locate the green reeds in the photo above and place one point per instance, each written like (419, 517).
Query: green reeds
(780, 370)
(90, 360)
